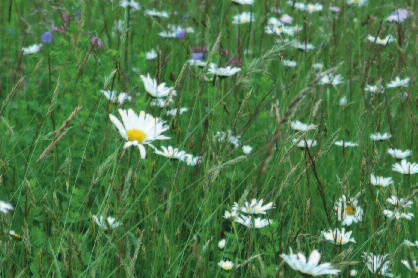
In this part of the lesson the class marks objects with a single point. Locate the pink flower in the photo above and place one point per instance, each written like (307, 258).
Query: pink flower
(399, 16)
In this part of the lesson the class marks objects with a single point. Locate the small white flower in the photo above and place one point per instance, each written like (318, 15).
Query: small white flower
(398, 214)
(155, 90)
(110, 222)
(318, 66)
(311, 267)
(226, 265)
(171, 153)
(223, 72)
(304, 143)
(405, 167)
(151, 55)
(358, 3)
(399, 154)
(343, 101)
(393, 200)
(161, 102)
(346, 144)
(374, 89)
(348, 211)
(398, 83)
(381, 181)
(245, 17)
(192, 160)
(258, 222)
(337, 237)
(255, 207)
(156, 13)
(331, 79)
(312, 8)
(114, 97)
(222, 243)
(380, 137)
(378, 264)
(353, 272)
(380, 41)
(289, 63)
(411, 268)
(297, 125)
(31, 49)
(303, 45)
(243, 2)
(247, 149)
(221, 136)
(5, 207)
(174, 111)
(232, 214)
(130, 3)
(410, 244)
(200, 64)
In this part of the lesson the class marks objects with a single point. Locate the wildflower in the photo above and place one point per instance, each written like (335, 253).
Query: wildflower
(247, 149)
(223, 72)
(155, 90)
(297, 125)
(380, 137)
(176, 32)
(381, 181)
(399, 16)
(380, 41)
(110, 222)
(245, 17)
(317, 66)
(398, 83)
(289, 63)
(254, 207)
(410, 244)
(405, 167)
(226, 265)
(312, 8)
(221, 136)
(276, 27)
(192, 160)
(114, 97)
(174, 111)
(171, 153)
(96, 42)
(399, 154)
(258, 222)
(304, 46)
(348, 211)
(5, 207)
(130, 3)
(346, 144)
(378, 264)
(139, 130)
(397, 214)
(222, 243)
(343, 101)
(286, 19)
(358, 3)
(151, 55)
(31, 49)
(161, 102)
(374, 89)
(331, 79)
(414, 267)
(393, 200)
(155, 13)
(46, 37)
(334, 9)
(337, 237)
(353, 272)
(232, 214)
(243, 2)
(311, 267)
(304, 143)
(14, 235)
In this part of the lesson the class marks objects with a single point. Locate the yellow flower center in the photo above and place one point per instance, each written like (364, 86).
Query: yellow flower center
(227, 267)
(350, 210)
(136, 135)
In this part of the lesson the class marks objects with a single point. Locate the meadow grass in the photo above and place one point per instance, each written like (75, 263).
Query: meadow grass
(62, 160)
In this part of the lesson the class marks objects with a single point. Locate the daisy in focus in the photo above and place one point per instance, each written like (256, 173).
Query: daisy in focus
(406, 168)
(311, 267)
(348, 211)
(248, 221)
(380, 181)
(399, 154)
(255, 207)
(171, 153)
(155, 90)
(139, 130)
(338, 237)
(414, 267)
(110, 222)
(378, 264)
(400, 211)
(297, 125)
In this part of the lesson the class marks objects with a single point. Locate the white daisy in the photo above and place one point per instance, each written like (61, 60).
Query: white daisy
(192, 160)
(5, 207)
(161, 102)
(304, 143)
(399, 154)
(378, 264)
(114, 97)
(171, 153)
(130, 3)
(358, 3)
(255, 207)
(318, 66)
(243, 2)
(31, 49)
(398, 83)
(374, 89)
(380, 41)
(247, 149)
(151, 55)
(222, 243)
(410, 243)
(156, 13)
(221, 136)
(245, 17)
(346, 144)
(343, 101)
(337, 237)
(348, 211)
(155, 90)
(232, 214)
(223, 72)
(289, 63)
(312, 8)
(298, 262)
(139, 130)
(399, 202)
(331, 79)
(303, 45)
(380, 137)
(226, 265)
(381, 181)
(397, 214)
(110, 222)
(411, 268)
(297, 125)
(405, 167)
(174, 111)
(258, 222)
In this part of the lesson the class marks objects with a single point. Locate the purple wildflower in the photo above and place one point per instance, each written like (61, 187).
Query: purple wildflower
(46, 37)
(286, 19)
(399, 16)
(181, 34)
(197, 56)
